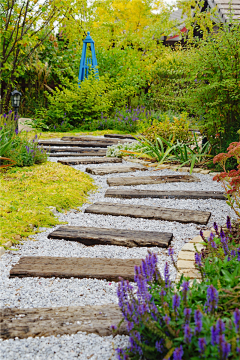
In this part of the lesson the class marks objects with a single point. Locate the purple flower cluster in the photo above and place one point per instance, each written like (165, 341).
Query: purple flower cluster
(212, 299)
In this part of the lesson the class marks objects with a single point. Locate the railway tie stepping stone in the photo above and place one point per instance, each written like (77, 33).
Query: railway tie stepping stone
(120, 136)
(24, 323)
(103, 170)
(150, 212)
(101, 236)
(94, 160)
(139, 194)
(79, 155)
(45, 266)
(84, 151)
(100, 143)
(145, 180)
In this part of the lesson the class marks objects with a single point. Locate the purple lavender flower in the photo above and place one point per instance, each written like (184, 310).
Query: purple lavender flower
(159, 345)
(220, 327)
(167, 319)
(176, 302)
(238, 251)
(215, 227)
(5, 124)
(121, 354)
(187, 334)
(167, 276)
(229, 226)
(134, 340)
(214, 335)
(16, 131)
(54, 127)
(187, 314)
(198, 259)
(224, 347)
(202, 345)
(236, 317)
(212, 298)
(4, 115)
(27, 148)
(213, 244)
(198, 327)
(113, 327)
(197, 315)
(233, 253)
(178, 353)
(185, 288)
(202, 236)
(10, 111)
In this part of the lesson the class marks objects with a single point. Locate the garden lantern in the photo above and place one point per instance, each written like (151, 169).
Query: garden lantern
(90, 62)
(15, 100)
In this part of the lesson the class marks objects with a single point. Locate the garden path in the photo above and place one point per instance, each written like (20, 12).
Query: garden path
(36, 292)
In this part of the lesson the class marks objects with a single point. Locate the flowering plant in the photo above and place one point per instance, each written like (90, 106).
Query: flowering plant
(179, 321)
(230, 180)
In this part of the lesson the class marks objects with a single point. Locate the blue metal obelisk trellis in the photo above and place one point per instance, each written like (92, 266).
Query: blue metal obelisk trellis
(87, 63)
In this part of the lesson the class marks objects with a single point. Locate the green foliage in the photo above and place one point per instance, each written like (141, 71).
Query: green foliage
(214, 94)
(197, 321)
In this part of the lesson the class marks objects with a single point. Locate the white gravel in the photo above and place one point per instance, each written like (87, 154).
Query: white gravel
(40, 292)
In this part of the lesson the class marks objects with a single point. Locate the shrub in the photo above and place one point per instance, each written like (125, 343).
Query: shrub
(177, 127)
(117, 150)
(230, 180)
(16, 146)
(179, 321)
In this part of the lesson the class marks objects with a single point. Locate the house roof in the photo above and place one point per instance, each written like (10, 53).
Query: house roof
(225, 8)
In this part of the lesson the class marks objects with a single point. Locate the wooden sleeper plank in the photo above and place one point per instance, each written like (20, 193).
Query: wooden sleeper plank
(108, 142)
(95, 160)
(103, 170)
(137, 194)
(101, 236)
(150, 212)
(120, 136)
(44, 266)
(79, 155)
(23, 323)
(145, 180)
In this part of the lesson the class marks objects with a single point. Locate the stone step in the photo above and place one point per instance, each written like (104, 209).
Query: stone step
(45, 266)
(150, 212)
(78, 155)
(24, 323)
(87, 143)
(120, 136)
(101, 236)
(91, 151)
(109, 142)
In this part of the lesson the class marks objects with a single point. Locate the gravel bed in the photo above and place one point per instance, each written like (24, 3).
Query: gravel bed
(40, 292)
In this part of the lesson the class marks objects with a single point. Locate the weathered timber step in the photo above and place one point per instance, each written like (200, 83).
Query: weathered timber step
(88, 143)
(92, 151)
(96, 160)
(103, 170)
(44, 266)
(79, 155)
(109, 142)
(101, 236)
(144, 180)
(137, 194)
(120, 136)
(150, 212)
(23, 323)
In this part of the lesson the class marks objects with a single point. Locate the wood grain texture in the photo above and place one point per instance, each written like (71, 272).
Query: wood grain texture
(120, 136)
(94, 160)
(79, 155)
(101, 236)
(109, 142)
(138, 194)
(44, 266)
(150, 212)
(103, 170)
(103, 143)
(144, 180)
(79, 150)
(23, 323)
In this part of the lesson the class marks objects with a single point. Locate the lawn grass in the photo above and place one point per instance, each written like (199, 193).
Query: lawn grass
(27, 193)
(75, 132)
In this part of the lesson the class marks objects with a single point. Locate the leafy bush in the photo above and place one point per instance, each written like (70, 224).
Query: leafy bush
(230, 180)
(15, 147)
(177, 127)
(214, 94)
(179, 321)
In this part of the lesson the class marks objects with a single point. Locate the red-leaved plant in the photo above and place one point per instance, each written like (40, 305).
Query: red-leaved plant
(230, 180)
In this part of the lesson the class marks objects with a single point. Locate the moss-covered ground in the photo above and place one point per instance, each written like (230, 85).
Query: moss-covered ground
(26, 194)
(75, 132)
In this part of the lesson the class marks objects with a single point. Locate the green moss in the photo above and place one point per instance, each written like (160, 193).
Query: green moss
(27, 193)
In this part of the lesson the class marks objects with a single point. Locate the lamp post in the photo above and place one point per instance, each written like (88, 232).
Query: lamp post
(15, 100)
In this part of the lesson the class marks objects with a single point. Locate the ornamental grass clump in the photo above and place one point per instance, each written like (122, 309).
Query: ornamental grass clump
(177, 321)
